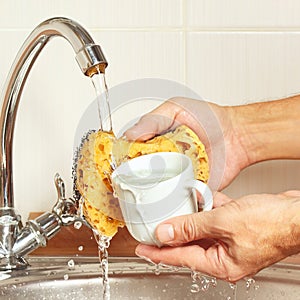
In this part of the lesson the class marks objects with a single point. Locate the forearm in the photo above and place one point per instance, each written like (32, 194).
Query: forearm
(268, 130)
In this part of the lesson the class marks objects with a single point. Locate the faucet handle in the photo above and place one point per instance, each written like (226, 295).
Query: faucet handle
(64, 208)
(38, 231)
(60, 187)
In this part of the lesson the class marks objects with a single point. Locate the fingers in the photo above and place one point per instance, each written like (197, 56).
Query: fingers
(193, 227)
(210, 261)
(292, 193)
(185, 229)
(157, 121)
(186, 256)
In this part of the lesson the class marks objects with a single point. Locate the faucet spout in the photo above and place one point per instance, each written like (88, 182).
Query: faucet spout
(91, 60)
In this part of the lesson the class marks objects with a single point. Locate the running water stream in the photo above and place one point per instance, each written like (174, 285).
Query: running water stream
(105, 119)
(102, 95)
(103, 245)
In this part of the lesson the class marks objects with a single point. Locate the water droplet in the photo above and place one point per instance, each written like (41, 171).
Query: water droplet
(232, 286)
(80, 248)
(71, 264)
(157, 270)
(194, 275)
(195, 288)
(249, 282)
(175, 269)
(214, 282)
(77, 224)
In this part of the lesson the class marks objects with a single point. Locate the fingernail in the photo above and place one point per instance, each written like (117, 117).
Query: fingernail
(165, 233)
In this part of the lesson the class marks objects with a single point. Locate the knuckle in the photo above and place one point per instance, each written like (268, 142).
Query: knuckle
(189, 230)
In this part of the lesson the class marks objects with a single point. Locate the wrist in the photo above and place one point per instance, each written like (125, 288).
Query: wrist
(247, 127)
(293, 218)
(241, 122)
(268, 130)
(296, 223)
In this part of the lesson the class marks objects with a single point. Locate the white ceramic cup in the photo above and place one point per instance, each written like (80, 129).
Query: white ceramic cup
(155, 187)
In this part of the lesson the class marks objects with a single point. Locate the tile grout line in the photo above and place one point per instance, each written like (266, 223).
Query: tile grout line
(184, 28)
(184, 37)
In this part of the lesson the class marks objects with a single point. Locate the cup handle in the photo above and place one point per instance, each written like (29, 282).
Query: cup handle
(205, 192)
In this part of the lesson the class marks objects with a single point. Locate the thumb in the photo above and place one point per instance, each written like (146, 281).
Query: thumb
(148, 126)
(185, 229)
(156, 122)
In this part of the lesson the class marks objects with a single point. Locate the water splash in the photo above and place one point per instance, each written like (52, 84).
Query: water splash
(249, 282)
(233, 286)
(201, 282)
(251, 288)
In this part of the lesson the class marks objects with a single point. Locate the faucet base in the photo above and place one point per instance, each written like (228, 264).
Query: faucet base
(12, 263)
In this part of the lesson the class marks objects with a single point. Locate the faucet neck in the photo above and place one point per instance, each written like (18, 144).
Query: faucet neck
(88, 55)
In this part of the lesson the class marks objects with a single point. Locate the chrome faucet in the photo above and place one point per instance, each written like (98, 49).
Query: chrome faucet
(16, 240)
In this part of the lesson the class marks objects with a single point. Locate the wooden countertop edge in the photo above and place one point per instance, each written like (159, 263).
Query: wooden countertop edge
(81, 242)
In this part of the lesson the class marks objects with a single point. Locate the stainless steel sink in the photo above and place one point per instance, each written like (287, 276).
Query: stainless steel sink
(132, 278)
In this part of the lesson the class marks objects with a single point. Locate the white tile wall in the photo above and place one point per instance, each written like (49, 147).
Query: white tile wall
(93, 13)
(141, 54)
(266, 177)
(256, 14)
(230, 52)
(240, 67)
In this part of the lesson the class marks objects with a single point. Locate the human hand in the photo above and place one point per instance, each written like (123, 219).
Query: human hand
(236, 239)
(212, 123)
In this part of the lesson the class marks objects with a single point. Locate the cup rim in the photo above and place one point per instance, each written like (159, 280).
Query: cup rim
(164, 153)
